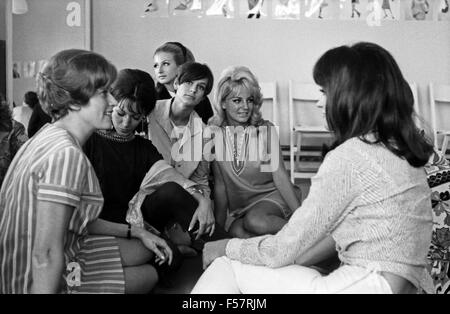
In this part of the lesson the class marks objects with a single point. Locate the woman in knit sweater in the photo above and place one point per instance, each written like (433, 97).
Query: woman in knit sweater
(369, 200)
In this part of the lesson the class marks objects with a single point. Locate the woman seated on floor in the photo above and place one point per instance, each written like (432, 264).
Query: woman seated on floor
(127, 165)
(176, 130)
(369, 200)
(252, 195)
(51, 193)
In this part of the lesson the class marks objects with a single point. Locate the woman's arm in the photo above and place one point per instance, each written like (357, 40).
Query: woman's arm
(284, 185)
(332, 190)
(48, 251)
(151, 241)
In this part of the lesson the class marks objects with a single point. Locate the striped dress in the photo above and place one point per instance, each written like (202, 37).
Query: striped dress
(52, 167)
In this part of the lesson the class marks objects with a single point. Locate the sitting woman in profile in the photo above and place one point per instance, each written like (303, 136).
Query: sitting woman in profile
(258, 201)
(369, 200)
(51, 194)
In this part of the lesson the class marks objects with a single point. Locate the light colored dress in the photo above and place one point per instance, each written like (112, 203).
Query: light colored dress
(173, 146)
(245, 182)
(52, 167)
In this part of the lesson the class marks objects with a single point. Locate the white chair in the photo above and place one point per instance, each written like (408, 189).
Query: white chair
(269, 92)
(439, 93)
(311, 123)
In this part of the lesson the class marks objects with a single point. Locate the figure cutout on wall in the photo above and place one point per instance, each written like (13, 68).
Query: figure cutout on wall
(386, 6)
(314, 6)
(355, 9)
(183, 5)
(152, 6)
(254, 7)
(286, 9)
(221, 8)
(156, 8)
(444, 6)
(420, 9)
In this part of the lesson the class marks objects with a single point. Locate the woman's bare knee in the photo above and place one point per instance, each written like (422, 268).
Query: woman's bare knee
(237, 230)
(260, 222)
(140, 279)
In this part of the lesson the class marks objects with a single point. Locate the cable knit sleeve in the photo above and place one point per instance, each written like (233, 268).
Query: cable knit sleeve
(332, 190)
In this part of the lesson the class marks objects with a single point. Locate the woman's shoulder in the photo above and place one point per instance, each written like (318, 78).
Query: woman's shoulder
(160, 107)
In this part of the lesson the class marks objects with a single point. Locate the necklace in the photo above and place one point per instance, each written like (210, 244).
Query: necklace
(237, 143)
(114, 136)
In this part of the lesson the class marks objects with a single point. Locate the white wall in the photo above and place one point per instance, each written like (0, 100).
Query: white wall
(39, 34)
(274, 49)
(2, 20)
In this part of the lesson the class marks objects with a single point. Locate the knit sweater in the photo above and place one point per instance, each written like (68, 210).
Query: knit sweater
(374, 205)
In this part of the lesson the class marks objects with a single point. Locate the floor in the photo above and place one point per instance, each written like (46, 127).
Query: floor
(182, 281)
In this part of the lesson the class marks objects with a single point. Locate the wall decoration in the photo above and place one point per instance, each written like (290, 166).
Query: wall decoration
(156, 8)
(29, 69)
(253, 9)
(17, 69)
(374, 13)
(418, 10)
(286, 9)
(186, 8)
(321, 9)
(221, 8)
(443, 10)
(389, 9)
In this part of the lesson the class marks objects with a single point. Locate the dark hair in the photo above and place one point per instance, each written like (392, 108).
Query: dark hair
(5, 115)
(31, 99)
(191, 71)
(366, 92)
(135, 87)
(72, 77)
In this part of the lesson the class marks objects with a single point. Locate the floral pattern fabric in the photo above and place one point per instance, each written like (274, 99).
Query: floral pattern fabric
(438, 173)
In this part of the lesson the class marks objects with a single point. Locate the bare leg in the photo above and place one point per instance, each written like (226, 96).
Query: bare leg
(140, 276)
(264, 218)
(237, 230)
(140, 279)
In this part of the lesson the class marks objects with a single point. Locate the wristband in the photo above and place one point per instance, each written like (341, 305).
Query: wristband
(129, 232)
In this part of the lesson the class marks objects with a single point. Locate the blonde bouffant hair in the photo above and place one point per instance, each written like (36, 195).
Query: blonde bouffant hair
(231, 81)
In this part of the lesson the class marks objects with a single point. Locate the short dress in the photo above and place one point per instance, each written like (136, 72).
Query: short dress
(386, 5)
(246, 182)
(52, 167)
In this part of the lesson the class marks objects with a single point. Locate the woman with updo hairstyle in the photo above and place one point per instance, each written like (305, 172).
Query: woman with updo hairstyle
(248, 199)
(51, 192)
(369, 200)
(167, 59)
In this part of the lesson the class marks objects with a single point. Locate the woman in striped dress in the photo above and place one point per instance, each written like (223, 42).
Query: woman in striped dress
(51, 193)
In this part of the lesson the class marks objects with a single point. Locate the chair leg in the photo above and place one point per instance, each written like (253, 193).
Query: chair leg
(444, 144)
(299, 146)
